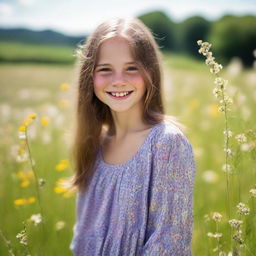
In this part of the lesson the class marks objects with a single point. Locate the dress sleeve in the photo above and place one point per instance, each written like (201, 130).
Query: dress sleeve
(170, 213)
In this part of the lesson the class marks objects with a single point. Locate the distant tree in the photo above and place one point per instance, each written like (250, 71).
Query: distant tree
(191, 30)
(162, 27)
(233, 36)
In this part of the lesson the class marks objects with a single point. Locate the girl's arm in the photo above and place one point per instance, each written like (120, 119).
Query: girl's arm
(170, 217)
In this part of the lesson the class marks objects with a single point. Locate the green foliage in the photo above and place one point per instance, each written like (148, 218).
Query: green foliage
(162, 27)
(16, 52)
(191, 30)
(234, 36)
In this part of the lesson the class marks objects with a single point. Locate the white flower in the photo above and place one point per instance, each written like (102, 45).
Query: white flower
(22, 236)
(216, 216)
(253, 192)
(60, 225)
(228, 133)
(241, 138)
(245, 147)
(228, 151)
(210, 176)
(36, 219)
(242, 209)
(216, 235)
(235, 223)
(226, 168)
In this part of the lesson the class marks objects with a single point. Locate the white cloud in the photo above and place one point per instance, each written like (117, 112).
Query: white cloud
(27, 2)
(5, 9)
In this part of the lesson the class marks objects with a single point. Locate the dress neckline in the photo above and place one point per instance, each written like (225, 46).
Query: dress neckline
(134, 156)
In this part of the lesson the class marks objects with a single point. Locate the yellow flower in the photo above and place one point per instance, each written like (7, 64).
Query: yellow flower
(59, 190)
(213, 109)
(21, 151)
(63, 103)
(22, 128)
(24, 201)
(27, 122)
(31, 200)
(20, 201)
(45, 121)
(25, 177)
(32, 116)
(64, 87)
(25, 183)
(62, 165)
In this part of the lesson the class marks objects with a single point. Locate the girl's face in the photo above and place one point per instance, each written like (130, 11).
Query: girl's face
(118, 81)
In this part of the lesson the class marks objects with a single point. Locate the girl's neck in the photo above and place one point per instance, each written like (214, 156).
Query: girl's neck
(128, 122)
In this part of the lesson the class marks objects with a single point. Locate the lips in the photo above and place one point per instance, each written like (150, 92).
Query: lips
(120, 97)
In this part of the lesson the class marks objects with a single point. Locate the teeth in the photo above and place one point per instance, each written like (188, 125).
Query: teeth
(119, 94)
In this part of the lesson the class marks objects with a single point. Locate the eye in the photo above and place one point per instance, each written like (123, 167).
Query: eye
(132, 68)
(103, 70)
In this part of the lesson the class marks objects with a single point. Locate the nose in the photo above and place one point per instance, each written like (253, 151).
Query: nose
(118, 79)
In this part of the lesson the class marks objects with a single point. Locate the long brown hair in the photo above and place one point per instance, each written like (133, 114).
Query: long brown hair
(93, 117)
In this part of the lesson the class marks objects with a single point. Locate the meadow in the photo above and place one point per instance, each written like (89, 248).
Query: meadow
(48, 90)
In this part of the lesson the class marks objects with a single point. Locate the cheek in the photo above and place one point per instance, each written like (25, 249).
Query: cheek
(138, 81)
(99, 82)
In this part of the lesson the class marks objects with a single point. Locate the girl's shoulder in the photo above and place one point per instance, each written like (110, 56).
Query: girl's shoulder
(169, 135)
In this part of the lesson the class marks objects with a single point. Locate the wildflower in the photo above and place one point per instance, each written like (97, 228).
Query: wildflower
(221, 109)
(62, 165)
(228, 151)
(36, 219)
(64, 87)
(27, 122)
(228, 133)
(22, 236)
(217, 92)
(24, 201)
(235, 223)
(63, 103)
(59, 190)
(22, 128)
(22, 157)
(45, 121)
(241, 138)
(242, 209)
(60, 225)
(216, 235)
(216, 216)
(238, 237)
(253, 192)
(210, 176)
(245, 147)
(216, 68)
(25, 177)
(32, 116)
(220, 83)
(214, 110)
(226, 168)
(41, 182)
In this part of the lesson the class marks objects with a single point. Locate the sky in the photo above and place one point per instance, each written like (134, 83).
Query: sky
(80, 17)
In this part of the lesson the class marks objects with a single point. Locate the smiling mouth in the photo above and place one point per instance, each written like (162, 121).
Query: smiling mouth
(120, 95)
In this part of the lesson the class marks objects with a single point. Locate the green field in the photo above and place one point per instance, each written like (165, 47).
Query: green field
(188, 86)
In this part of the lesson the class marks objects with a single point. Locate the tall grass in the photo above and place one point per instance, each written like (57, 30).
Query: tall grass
(39, 89)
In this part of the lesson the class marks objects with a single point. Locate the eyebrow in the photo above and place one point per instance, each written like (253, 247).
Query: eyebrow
(106, 64)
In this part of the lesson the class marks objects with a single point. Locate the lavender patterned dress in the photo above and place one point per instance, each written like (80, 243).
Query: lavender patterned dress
(143, 207)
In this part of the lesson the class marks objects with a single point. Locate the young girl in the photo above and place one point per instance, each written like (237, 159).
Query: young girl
(134, 170)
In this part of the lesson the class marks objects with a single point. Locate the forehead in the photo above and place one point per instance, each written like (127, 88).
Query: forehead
(115, 48)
